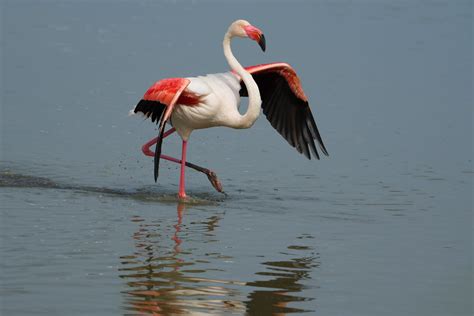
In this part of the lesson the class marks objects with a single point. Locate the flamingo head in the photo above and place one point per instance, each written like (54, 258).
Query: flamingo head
(242, 28)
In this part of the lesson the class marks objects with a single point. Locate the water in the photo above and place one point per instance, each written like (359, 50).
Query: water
(381, 227)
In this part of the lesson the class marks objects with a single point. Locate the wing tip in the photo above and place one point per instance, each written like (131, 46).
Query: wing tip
(322, 147)
(325, 152)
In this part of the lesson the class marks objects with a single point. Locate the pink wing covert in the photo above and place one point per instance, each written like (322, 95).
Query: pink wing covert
(167, 92)
(284, 70)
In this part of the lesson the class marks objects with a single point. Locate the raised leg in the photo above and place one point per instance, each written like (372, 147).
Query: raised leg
(182, 193)
(146, 147)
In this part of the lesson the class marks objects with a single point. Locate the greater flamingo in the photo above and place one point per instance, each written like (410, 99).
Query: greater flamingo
(213, 100)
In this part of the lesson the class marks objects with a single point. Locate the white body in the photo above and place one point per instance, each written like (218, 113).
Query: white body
(219, 106)
(219, 94)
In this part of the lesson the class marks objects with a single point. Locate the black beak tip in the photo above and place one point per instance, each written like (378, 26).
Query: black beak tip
(262, 42)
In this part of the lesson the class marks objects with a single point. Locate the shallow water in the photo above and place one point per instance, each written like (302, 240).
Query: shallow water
(381, 227)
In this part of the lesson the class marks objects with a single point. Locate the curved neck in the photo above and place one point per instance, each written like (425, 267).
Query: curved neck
(255, 101)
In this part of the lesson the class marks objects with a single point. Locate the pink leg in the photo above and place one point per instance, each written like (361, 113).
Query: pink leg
(211, 175)
(146, 147)
(182, 193)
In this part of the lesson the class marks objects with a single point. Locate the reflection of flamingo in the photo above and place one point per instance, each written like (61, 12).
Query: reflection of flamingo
(213, 100)
(157, 284)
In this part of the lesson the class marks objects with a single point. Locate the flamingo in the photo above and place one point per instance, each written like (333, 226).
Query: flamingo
(213, 100)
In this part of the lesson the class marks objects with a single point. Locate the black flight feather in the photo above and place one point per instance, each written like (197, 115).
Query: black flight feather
(287, 113)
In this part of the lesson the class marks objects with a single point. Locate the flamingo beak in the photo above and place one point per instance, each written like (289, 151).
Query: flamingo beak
(262, 42)
(257, 35)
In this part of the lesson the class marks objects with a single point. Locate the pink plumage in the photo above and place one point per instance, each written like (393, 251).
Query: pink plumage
(284, 70)
(164, 90)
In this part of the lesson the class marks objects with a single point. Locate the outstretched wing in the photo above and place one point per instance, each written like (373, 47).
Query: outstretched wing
(286, 106)
(158, 102)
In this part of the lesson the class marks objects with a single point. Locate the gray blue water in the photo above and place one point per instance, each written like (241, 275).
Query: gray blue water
(383, 226)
